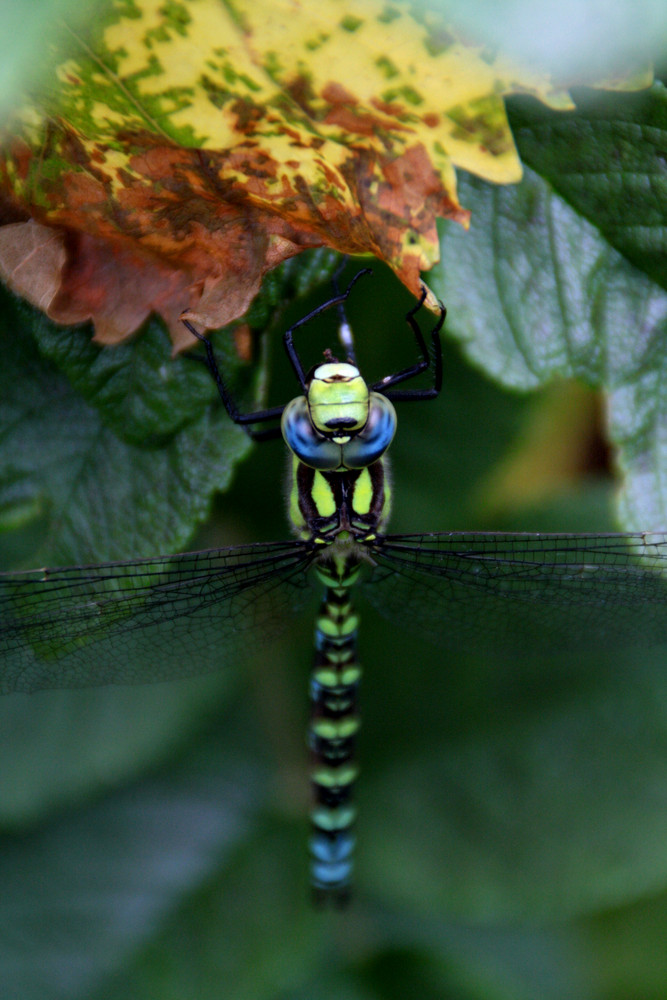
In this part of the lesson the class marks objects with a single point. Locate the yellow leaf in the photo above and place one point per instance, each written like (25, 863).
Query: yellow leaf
(205, 142)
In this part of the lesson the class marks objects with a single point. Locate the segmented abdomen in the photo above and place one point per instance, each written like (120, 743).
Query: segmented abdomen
(334, 723)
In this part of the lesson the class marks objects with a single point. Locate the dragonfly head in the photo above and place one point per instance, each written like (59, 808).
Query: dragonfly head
(340, 423)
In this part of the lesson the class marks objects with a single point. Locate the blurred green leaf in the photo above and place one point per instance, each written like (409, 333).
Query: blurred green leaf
(61, 750)
(27, 23)
(538, 294)
(88, 891)
(576, 39)
(534, 791)
(627, 949)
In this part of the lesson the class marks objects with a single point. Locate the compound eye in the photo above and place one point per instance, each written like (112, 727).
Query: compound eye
(309, 446)
(371, 443)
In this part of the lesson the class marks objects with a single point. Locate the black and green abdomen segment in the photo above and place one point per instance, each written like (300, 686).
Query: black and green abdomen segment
(334, 724)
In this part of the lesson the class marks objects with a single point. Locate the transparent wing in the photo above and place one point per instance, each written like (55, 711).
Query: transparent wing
(524, 592)
(148, 619)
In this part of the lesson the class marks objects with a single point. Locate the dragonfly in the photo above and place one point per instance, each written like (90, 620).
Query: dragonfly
(149, 620)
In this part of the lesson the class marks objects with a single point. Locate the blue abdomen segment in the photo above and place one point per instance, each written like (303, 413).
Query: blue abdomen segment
(334, 724)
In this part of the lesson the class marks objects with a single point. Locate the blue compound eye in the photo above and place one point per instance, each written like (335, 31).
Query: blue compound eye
(320, 452)
(309, 446)
(371, 443)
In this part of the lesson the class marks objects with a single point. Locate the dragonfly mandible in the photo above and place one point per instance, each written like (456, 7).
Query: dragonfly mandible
(154, 619)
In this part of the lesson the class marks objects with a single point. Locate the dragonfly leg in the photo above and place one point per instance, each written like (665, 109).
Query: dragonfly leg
(242, 419)
(345, 332)
(431, 357)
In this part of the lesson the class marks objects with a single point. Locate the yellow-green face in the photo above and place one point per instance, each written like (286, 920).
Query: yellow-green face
(338, 401)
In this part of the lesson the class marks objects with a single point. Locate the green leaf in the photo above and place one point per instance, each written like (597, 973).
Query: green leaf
(122, 458)
(99, 494)
(84, 894)
(533, 796)
(606, 160)
(140, 393)
(627, 949)
(27, 24)
(536, 293)
(61, 750)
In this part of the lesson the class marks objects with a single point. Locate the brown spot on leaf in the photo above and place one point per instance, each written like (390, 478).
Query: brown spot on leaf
(336, 93)
(353, 121)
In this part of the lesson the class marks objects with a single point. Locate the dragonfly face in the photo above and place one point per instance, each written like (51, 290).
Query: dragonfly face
(338, 401)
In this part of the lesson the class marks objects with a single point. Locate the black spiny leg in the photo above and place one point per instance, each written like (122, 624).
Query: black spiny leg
(429, 358)
(337, 300)
(242, 419)
(275, 413)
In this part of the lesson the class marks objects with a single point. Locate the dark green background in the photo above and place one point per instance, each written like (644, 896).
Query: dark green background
(513, 815)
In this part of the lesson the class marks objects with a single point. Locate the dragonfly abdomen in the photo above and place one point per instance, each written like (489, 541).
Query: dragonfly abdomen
(334, 724)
